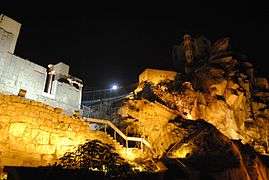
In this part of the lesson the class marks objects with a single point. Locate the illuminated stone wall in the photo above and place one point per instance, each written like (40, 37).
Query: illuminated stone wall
(155, 76)
(34, 134)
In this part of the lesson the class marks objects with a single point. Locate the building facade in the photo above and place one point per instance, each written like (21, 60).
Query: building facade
(52, 85)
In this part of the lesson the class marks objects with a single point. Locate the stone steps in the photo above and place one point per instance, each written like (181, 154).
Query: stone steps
(115, 141)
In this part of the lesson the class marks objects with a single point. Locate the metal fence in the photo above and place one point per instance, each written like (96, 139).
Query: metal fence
(100, 111)
(104, 104)
(94, 96)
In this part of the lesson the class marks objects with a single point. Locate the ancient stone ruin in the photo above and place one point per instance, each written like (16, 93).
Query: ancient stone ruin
(208, 121)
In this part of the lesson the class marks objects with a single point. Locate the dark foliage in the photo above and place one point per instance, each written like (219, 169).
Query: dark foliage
(176, 85)
(147, 93)
(98, 156)
(45, 173)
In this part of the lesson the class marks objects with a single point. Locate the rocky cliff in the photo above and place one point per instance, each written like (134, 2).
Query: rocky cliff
(219, 87)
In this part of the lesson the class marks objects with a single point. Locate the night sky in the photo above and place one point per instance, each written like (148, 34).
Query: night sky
(113, 43)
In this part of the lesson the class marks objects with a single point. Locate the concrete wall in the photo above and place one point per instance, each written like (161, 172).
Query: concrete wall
(155, 75)
(63, 96)
(6, 39)
(17, 73)
(34, 134)
(11, 27)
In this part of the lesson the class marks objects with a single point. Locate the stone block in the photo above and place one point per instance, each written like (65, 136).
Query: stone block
(47, 159)
(19, 105)
(42, 137)
(17, 143)
(58, 110)
(31, 163)
(218, 89)
(54, 138)
(34, 133)
(60, 140)
(32, 113)
(4, 135)
(45, 149)
(17, 129)
(27, 135)
(61, 150)
(231, 99)
(31, 148)
(11, 161)
(155, 76)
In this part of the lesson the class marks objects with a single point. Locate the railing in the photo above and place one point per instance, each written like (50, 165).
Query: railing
(116, 130)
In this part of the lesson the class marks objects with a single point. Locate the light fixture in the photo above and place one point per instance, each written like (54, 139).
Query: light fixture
(114, 87)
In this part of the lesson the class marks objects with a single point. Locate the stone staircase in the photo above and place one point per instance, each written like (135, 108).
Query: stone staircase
(115, 141)
(143, 142)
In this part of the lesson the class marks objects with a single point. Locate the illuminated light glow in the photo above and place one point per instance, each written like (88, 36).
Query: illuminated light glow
(129, 154)
(182, 152)
(139, 168)
(189, 116)
(114, 87)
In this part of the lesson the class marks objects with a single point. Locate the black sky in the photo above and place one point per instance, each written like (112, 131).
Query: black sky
(108, 43)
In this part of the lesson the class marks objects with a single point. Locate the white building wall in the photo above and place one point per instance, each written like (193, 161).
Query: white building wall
(17, 73)
(13, 27)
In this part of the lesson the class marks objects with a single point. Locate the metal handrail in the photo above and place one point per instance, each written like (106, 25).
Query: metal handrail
(126, 138)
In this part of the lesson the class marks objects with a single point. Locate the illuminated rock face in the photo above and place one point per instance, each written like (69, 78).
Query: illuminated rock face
(152, 123)
(34, 134)
(219, 92)
(155, 113)
(170, 112)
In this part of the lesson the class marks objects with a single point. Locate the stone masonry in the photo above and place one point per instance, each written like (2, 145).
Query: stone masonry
(34, 134)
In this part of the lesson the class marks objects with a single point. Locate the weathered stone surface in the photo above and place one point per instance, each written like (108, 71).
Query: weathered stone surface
(218, 89)
(156, 76)
(42, 137)
(45, 149)
(17, 129)
(225, 100)
(33, 134)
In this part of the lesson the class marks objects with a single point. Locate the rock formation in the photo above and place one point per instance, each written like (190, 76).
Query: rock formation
(223, 91)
